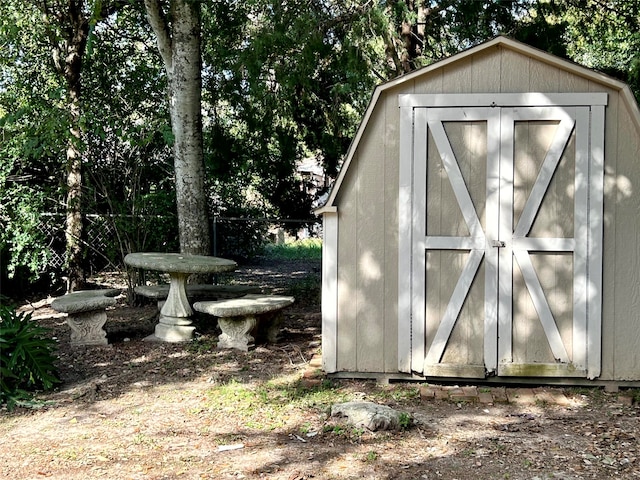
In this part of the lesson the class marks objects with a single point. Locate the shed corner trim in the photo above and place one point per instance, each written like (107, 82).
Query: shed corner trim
(326, 209)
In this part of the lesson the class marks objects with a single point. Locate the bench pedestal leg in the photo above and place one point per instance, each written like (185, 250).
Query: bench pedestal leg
(86, 328)
(273, 327)
(236, 332)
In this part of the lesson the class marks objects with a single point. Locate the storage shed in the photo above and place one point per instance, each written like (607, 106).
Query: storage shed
(484, 225)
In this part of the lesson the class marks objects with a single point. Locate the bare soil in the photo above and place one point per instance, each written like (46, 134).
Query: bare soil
(141, 410)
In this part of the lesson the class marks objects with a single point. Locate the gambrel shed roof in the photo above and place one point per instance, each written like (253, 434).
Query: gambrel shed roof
(451, 62)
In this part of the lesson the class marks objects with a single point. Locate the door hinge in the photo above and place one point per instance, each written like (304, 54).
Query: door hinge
(497, 243)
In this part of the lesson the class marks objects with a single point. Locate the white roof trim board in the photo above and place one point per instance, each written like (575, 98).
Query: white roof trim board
(504, 42)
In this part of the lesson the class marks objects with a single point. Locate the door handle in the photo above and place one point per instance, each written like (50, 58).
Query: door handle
(497, 243)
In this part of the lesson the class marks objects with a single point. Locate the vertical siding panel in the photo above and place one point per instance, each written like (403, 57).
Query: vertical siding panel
(390, 220)
(370, 248)
(543, 78)
(626, 354)
(404, 228)
(514, 72)
(347, 249)
(329, 291)
(457, 78)
(611, 243)
(596, 230)
(430, 83)
(485, 72)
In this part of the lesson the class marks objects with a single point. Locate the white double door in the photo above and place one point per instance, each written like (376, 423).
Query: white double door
(502, 237)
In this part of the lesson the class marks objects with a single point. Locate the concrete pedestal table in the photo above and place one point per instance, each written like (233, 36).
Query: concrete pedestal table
(175, 323)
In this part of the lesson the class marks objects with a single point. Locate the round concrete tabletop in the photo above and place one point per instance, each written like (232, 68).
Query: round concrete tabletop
(179, 262)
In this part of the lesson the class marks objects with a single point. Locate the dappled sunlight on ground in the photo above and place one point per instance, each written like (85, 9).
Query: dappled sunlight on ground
(148, 410)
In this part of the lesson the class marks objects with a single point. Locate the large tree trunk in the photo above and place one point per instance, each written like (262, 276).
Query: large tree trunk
(73, 230)
(67, 54)
(75, 43)
(179, 47)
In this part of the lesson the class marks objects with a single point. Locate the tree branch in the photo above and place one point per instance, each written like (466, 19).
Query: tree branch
(110, 8)
(158, 22)
(56, 48)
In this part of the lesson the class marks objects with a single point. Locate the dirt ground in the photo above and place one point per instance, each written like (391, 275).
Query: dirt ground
(142, 410)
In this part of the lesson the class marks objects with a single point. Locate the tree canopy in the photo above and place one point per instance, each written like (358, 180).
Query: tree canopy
(282, 82)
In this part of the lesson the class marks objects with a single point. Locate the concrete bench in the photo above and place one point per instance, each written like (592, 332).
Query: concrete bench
(196, 292)
(242, 318)
(86, 314)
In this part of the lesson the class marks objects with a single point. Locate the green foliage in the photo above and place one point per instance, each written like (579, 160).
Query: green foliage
(241, 239)
(420, 33)
(130, 179)
(33, 127)
(283, 81)
(634, 393)
(306, 290)
(405, 421)
(20, 236)
(289, 85)
(604, 36)
(27, 357)
(235, 203)
(128, 176)
(370, 457)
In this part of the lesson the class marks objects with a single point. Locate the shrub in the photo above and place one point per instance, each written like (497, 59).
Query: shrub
(27, 357)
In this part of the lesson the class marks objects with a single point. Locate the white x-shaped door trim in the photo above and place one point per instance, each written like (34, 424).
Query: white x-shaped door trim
(589, 117)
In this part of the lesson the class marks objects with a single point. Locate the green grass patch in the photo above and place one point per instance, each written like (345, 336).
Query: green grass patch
(595, 395)
(370, 457)
(398, 393)
(635, 394)
(307, 249)
(269, 405)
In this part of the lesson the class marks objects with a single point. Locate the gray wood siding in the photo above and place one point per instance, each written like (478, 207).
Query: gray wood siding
(370, 250)
(390, 231)
(347, 279)
(621, 332)
(610, 238)
(367, 261)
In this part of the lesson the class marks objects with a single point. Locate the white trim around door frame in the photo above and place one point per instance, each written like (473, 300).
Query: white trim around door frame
(588, 117)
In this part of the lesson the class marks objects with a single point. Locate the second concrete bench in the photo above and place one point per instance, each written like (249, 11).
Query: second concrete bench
(86, 314)
(241, 318)
(196, 292)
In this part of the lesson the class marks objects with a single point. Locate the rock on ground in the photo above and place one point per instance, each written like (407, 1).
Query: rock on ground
(368, 415)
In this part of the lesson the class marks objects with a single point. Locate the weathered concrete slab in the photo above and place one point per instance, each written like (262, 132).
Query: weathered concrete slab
(85, 300)
(252, 304)
(198, 291)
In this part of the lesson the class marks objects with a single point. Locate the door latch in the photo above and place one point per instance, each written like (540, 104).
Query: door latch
(497, 243)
